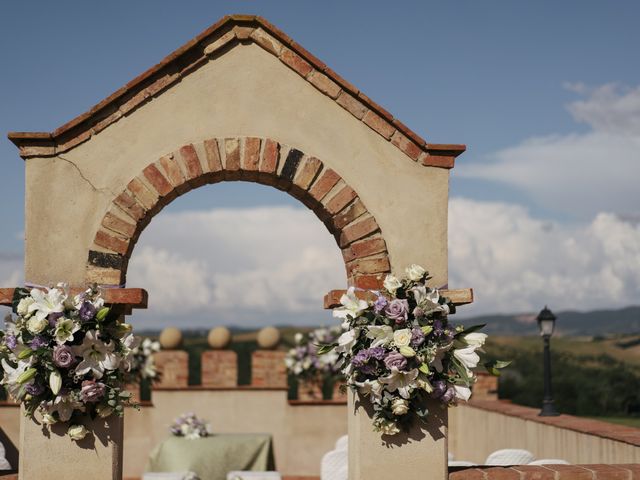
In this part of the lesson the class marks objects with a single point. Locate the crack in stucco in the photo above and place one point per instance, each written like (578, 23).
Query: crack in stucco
(93, 187)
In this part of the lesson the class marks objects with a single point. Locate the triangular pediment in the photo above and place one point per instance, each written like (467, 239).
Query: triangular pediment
(227, 33)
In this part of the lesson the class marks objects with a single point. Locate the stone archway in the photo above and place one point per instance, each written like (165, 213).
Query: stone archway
(254, 159)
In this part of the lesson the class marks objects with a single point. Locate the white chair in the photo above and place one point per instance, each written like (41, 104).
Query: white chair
(460, 463)
(549, 461)
(335, 465)
(342, 443)
(510, 456)
(248, 475)
(4, 463)
(170, 476)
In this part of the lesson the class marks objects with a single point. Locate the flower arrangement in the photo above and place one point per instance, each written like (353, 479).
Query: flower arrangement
(400, 350)
(188, 425)
(142, 364)
(303, 360)
(66, 357)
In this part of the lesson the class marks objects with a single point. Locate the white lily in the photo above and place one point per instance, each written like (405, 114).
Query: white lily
(97, 356)
(65, 328)
(46, 303)
(347, 340)
(439, 356)
(403, 382)
(352, 306)
(381, 335)
(372, 389)
(468, 357)
(130, 345)
(11, 375)
(65, 405)
(428, 298)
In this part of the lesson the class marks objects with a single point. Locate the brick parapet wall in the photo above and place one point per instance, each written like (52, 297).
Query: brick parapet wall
(549, 472)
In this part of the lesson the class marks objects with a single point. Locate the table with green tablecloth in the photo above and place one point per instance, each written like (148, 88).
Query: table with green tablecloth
(212, 457)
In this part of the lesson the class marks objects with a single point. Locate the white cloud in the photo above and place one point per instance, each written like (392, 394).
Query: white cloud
(517, 263)
(258, 265)
(582, 173)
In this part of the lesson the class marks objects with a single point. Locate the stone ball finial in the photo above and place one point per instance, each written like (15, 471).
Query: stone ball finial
(219, 338)
(170, 338)
(268, 338)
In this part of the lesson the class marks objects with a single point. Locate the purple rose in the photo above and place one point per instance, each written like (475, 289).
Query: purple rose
(11, 341)
(92, 391)
(395, 360)
(380, 303)
(87, 311)
(63, 357)
(397, 310)
(38, 341)
(448, 395)
(417, 337)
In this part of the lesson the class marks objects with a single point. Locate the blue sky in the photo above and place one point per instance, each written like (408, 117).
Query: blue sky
(512, 80)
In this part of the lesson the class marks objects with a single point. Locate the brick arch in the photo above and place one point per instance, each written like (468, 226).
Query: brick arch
(254, 159)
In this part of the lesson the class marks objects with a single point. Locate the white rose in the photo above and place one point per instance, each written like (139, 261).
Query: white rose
(402, 337)
(48, 419)
(77, 432)
(399, 406)
(23, 306)
(298, 337)
(392, 284)
(386, 427)
(415, 272)
(475, 339)
(104, 411)
(36, 326)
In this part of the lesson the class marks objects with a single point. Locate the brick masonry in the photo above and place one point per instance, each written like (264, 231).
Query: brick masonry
(220, 369)
(261, 160)
(268, 369)
(173, 366)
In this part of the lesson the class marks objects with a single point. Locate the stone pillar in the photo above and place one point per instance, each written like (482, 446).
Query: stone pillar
(54, 455)
(173, 366)
(220, 368)
(268, 369)
(420, 454)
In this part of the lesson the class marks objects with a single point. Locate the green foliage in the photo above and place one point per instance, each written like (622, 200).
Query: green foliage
(583, 385)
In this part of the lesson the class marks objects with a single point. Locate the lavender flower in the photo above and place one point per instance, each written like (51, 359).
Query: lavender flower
(377, 352)
(92, 391)
(395, 360)
(38, 341)
(87, 311)
(437, 328)
(380, 303)
(439, 388)
(34, 388)
(448, 395)
(397, 310)
(63, 357)
(11, 341)
(417, 337)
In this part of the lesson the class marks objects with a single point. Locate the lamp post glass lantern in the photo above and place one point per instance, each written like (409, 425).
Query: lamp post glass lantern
(546, 323)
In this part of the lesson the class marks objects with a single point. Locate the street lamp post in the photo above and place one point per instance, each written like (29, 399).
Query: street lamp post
(546, 323)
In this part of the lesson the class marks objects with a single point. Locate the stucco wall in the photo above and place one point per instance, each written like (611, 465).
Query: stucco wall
(244, 92)
(474, 433)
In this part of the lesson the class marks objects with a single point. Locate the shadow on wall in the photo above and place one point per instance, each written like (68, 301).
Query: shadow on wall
(11, 452)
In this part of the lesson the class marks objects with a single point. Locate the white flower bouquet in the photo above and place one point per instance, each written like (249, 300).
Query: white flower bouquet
(143, 366)
(400, 350)
(188, 425)
(66, 357)
(303, 360)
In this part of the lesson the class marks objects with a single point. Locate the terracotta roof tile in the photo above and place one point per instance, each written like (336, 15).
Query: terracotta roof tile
(189, 57)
